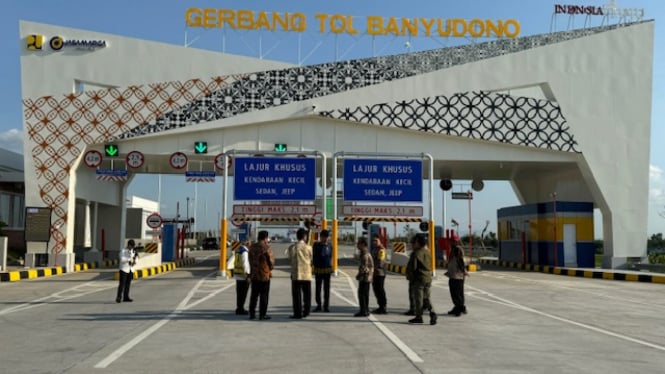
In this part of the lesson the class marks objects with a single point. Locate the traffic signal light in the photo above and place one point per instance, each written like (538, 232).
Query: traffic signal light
(111, 150)
(200, 147)
(280, 147)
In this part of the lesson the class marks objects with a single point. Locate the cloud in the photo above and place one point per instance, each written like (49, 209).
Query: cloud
(12, 140)
(656, 186)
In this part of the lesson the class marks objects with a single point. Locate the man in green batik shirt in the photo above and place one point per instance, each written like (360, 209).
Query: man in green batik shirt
(419, 275)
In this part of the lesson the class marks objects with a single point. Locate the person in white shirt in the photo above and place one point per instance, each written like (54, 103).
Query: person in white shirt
(127, 261)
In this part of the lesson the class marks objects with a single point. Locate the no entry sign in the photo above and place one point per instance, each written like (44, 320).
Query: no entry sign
(154, 221)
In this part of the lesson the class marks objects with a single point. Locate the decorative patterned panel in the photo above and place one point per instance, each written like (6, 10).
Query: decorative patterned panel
(476, 115)
(272, 88)
(59, 129)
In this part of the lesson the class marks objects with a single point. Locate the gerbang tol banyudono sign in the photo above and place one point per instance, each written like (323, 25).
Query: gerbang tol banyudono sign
(345, 24)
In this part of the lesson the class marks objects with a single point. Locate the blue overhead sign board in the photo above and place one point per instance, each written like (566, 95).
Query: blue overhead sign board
(383, 180)
(274, 178)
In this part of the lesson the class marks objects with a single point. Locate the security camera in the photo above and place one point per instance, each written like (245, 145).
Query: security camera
(313, 108)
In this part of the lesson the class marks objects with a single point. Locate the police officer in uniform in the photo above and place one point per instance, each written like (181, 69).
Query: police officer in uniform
(126, 262)
(379, 279)
(241, 274)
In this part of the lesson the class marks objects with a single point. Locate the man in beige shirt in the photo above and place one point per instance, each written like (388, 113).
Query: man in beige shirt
(300, 255)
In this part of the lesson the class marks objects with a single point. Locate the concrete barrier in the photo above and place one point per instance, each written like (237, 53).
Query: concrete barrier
(398, 262)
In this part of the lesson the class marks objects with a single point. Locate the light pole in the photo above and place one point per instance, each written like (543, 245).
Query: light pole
(556, 244)
(469, 197)
(455, 225)
(187, 218)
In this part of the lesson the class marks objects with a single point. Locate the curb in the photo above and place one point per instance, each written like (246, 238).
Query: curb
(597, 274)
(17, 275)
(396, 269)
(440, 264)
(148, 272)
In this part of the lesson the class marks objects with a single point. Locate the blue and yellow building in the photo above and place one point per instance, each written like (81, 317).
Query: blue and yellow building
(551, 233)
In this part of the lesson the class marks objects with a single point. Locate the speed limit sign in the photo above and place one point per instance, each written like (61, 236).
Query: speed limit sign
(92, 158)
(135, 159)
(219, 162)
(178, 160)
(316, 219)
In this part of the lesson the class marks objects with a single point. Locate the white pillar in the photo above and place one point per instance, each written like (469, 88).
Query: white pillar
(87, 241)
(94, 228)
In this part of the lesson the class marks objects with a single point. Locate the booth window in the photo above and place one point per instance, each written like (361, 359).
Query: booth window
(12, 208)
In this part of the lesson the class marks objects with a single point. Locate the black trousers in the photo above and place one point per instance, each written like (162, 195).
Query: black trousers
(412, 304)
(323, 280)
(456, 287)
(123, 285)
(363, 297)
(260, 291)
(379, 290)
(242, 286)
(301, 293)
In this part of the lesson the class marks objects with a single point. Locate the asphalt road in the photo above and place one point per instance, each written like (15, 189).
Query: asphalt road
(183, 322)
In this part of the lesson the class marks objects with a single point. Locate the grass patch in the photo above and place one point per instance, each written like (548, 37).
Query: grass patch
(599, 261)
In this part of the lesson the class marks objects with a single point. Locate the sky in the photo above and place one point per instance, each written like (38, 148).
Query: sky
(164, 21)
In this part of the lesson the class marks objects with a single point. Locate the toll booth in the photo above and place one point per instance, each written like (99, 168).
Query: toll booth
(169, 242)
(376, 229)
(445, 243)
(438, 233)
(244, 232)
(554, 233)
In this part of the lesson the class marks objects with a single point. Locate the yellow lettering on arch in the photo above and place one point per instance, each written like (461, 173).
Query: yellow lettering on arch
(246, 20)
(226, 16)
(457, 23)
(492, 28)
(515, 31)
(282, 21)
(262, 21)
(209, 17)
(375, 25)
(427, 24)
(444, 31)
(392, 27)
(193, 17)
(410, 26)
(322, 21)
(298, 22)
(476, 28)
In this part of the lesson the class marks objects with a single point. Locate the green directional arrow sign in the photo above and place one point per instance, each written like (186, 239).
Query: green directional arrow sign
(200, 147)
(111, 150)
(280, 147)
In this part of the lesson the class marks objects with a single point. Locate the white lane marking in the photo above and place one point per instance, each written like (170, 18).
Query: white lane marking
(397, 342)
(179, 309)
(76, 291)
(499, 300)
(575, 288)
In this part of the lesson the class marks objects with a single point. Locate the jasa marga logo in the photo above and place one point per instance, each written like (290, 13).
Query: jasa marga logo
(56, 43)
(34, 42)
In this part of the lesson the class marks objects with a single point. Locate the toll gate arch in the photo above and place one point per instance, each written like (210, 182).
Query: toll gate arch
(458, 104)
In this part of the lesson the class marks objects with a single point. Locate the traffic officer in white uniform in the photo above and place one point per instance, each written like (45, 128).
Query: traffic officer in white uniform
(127, 261)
